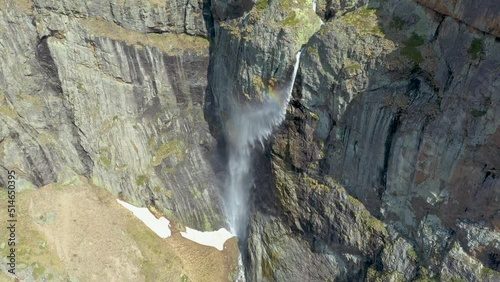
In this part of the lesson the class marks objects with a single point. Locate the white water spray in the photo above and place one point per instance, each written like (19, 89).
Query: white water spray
(246, 127)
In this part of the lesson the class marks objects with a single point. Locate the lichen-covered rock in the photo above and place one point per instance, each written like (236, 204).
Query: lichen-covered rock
(458, 265)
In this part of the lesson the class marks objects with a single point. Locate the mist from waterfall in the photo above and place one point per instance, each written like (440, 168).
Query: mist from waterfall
(247, 127)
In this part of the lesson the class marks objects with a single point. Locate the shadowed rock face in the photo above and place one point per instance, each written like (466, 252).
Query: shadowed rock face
(482, 15)
(386, 166)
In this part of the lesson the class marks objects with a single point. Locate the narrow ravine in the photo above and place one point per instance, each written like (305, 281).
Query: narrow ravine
(248, 127)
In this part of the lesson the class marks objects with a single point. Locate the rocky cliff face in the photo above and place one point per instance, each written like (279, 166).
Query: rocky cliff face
(386, 167)
(112, 91)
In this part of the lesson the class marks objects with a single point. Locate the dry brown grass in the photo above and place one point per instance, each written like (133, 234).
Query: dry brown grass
(80, 231)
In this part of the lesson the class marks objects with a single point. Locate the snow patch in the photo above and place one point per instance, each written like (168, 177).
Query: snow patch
(214, 239)
(160, 226)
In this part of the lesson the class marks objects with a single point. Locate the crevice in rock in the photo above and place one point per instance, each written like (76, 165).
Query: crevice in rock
(489, 173)
(494, 261)
(438, 29)
(209, 20)
(457, 19)
(83, 154)
(393, 127)
(48, 65)
(184, 20)
(41, 174)
(51, 75)
(111, 10)
(154, 30)
(449, 79)
(215, 124)
(329, 13)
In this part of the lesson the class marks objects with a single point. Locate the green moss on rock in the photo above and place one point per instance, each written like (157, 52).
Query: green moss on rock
(287, 4)
(300, 19)
(196, 193)
(352, 67)
(262, 4)
(378, 276)
(105, 161)
(424, 275)
(413, 54)
(373, 223)
(315, 185)
(475, 49)
(412, 254)
(397, 23)
(207, 226)
(175, 147)
(410, 49)
(353, 201)
(477, 113)
(447, 278)
(142, 180)
(291, 20)
(313, 51)
(365, 21)
(415, 40)
(169, 194)
(314, 115)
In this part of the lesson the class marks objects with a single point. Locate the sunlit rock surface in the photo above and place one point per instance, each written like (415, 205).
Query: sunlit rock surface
(98, 90)
(385, 168)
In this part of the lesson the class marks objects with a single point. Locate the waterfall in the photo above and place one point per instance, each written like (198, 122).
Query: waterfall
(246, 127)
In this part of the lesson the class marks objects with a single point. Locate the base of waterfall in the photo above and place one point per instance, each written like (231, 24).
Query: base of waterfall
(241, 270)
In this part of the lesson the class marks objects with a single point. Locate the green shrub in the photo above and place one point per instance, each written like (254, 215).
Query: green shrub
(261, 5)
(475, 49)
(291, 20)
(397, 23)
(142, 180)
(410, 49)
(477, 113)
(105, 161)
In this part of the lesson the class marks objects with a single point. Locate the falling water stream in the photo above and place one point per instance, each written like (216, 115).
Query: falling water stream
(247, 127)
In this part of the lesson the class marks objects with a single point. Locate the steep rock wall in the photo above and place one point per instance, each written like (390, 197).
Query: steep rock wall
(482, 15)
(85, 90)
(386, 167)
(252, 52)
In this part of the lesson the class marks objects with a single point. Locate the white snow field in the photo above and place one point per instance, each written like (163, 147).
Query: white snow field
(159, 225)
(214, 239)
